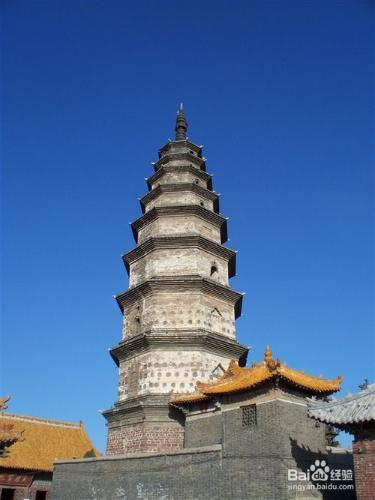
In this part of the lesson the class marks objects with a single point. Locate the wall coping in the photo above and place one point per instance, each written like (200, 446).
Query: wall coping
(338, 450)
(184, 451)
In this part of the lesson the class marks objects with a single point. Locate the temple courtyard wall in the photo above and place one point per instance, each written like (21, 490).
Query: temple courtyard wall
(221, 459)
(192, 474)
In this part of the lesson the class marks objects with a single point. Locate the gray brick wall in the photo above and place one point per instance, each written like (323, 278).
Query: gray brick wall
(203, 431)
(251, 464)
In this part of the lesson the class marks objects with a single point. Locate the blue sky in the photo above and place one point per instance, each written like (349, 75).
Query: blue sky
(281, 95)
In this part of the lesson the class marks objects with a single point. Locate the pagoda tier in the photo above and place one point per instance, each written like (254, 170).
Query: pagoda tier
(180, 220)
(168, 174)
(179, 311)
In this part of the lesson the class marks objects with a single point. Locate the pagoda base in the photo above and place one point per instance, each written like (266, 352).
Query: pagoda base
(144, 424)
(145, 437)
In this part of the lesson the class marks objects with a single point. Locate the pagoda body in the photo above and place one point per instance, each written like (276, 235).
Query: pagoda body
(179, 311)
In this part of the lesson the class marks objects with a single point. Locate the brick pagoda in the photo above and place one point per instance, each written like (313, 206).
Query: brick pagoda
(179, 311)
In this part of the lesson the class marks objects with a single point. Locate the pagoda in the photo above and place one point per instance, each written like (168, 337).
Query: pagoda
(179, 311)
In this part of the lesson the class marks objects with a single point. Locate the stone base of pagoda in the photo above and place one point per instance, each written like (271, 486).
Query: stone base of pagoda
(145, 437)
(142, 425)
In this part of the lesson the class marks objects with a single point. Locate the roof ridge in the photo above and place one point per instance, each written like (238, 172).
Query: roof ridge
(41, 420)
(319, 404)
(286, 369)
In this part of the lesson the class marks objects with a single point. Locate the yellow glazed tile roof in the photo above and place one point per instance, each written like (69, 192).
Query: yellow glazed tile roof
(195, 397)
(237, 379)
(42, 441)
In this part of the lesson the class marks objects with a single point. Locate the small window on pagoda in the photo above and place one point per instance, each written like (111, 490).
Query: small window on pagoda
(249, 416)
(41, 495)
(214, 274)
(196, 181)
(218, 371)
(215, 312)
(201, 204)
(137, 319)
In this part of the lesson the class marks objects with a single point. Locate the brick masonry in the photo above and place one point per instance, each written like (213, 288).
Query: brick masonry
(364, 466)
(142, 437)
(179, 290)
(41, 481)
(221, 459)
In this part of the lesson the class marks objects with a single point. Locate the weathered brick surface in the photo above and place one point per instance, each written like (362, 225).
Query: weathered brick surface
(166, 371)
(364, 466)
(178, 199)
(142, 437)
(171, 225)
(195, 304)
(205, 476)
(178, 262)
(203, 431)
(192, 476)
(41, 482)
(251, 463)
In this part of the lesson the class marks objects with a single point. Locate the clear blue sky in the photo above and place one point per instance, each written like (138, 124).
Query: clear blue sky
(281, 95)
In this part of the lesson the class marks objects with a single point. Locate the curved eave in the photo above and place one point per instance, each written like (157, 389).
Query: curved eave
(181, 210)
(26, 468)
(182, 143)
(156, 243)
(204, 176)
(180, 339)
(237, 379)
(352, 410)
(188, 399)
(179, 284)
(346, 426)
(181, 187)
(190, 158)
(233, 387)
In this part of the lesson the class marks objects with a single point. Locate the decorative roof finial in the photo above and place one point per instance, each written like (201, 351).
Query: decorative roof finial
(181, 124)
(268, 358)
(3, 403)
(267, 354)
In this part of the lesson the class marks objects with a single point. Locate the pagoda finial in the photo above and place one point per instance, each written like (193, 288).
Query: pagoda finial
(181, 124)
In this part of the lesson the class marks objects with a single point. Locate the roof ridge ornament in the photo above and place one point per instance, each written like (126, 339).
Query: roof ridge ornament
(181, 124)
(3, 403)
(271, 363)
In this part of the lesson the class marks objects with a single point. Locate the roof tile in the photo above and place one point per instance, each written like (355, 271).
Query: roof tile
(43, 441)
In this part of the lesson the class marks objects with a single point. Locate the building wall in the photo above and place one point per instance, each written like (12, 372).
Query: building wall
(179, 177)
(169, 199)
(364, 465)
(177, 310)
(178, 262)
(195, 474)
(148, 436)
(180, 476)
(175, 224)
(40, 481)
(221, 458)
(167, 371)
(204, 430)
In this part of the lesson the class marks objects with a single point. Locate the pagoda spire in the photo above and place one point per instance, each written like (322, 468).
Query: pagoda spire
(181, 124)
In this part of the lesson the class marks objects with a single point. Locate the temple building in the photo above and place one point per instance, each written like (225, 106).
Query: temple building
(179, 311)
(355, 413)
(31, 444)
(191, 420)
